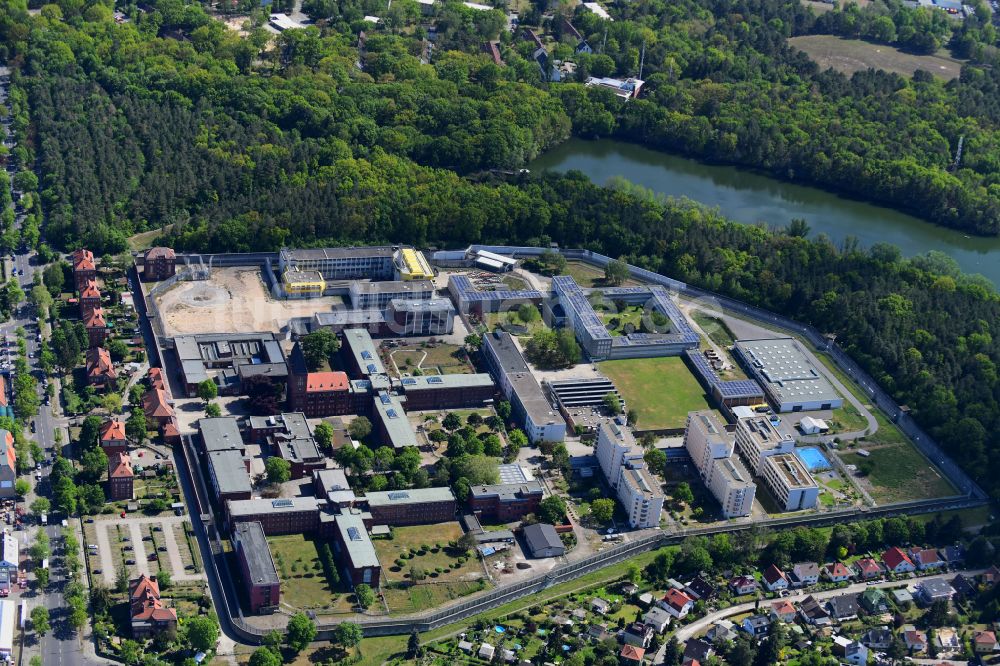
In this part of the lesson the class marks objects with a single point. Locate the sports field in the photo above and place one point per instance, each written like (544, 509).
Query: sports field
(661, 390)
(854, 55)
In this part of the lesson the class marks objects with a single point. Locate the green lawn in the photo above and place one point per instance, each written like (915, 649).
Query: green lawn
(714, 328)
(303, 583)
(435, 537)
(440, 359)
(630, 315)
(899, 473)
(661, 390)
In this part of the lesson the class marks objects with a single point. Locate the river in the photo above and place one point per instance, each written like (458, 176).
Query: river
(749, 197)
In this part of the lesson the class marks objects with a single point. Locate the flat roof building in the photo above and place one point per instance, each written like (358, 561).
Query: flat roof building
(416, 506)
(615, 446)
(790, 379)
(757, 438)
(429, 316)
(789, 481)
(377, 295)
(640, 496)
(341, 263)
(221, 433)
(732, 486)
(518, 384)
(355, 551)
(360, 353)
(292, 515)
(303, 284)
(331, 484)
(447, 391)
(228, 473)
(468, 298)
(543, 540)
(707, 438)
(394, 428)
(260, 576)
(505, 502)
(412, 265)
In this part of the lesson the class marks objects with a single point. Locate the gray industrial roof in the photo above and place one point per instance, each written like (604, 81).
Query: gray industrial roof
(446, 381)
(528, 391)
(257, 552)
(252, 507)
(514, 473)
(313, 254)
(220, 433)
(230, 471)
(425, 305)
(507, 490)
(786, 369)
(413, 496)
(542, 535)
(186, 347)
(392, 287)
(355, 537)
(394, 420)
(365, 355)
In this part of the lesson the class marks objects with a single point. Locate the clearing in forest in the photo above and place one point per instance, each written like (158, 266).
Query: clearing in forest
(854, 55)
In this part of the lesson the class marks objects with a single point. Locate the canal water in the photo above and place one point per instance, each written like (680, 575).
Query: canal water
(748, 197)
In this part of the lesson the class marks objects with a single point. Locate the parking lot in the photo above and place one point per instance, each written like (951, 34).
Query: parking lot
(144, 545)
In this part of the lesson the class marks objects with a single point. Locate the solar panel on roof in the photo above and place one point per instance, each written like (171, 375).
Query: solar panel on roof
(372, 368)
(279, 503)
(435, 380)
(391, 413)
(384, 397)
(367, 355)
(399, 495)
(408, 381)
(353, 534)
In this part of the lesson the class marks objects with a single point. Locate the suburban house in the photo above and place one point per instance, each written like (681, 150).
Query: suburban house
(879, 638)
(953, 555)
(850, 651)
(638, 634)
(100, 370)
(985, 642)
(873, 600)
(926, 558)
(783, 611)
(147, 612)
(947, 638)
(964, 586)
(486, 651)
(896, 561)
(599, 605)
(775, 579)
(700, 588)
(844, 607)
(934, 589)
(812, 611)
(804, 573)
(743, 585)
(721, 631)
(837, 572)
(632, 655)
(696, 651)
(915, 640)
(677, 603)
(657, 618)
(868, 568)
(756, 625)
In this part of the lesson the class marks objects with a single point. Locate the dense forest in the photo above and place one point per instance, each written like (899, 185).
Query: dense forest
(323, 137)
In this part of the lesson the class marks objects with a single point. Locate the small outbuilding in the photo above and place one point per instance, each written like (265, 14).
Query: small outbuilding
(543, 540)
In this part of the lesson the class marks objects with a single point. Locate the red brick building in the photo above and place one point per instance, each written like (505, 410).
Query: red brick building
(96, 325)
(148, 614)
(100, 370)
(418, 506)
(318, 394)
(84, 267)
(260, 577)
(112, 437)
(159, 263)
(90, 297)
(505, 502)
(120, 477)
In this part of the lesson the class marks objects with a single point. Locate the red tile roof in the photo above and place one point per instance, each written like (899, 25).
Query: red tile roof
(157, 252)
(837, 570)
(894, 557)
(985, 638)
(90, 290)
(783, 607)
(112, 430)
(155, 404)
(99, 363)
(868, 567)
(83, 260)
(676, 599)
(120, 466)
(326, 381)
(633, 653)
(926, 555)
(94, 318)
(144, 601)
(11, 458)
(773, 574)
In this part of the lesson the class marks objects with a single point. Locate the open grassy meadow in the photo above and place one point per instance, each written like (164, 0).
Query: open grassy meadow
(661, 390)
(898, 472)
(854, 55)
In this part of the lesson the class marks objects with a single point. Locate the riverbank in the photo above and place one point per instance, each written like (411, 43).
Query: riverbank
(750, 198)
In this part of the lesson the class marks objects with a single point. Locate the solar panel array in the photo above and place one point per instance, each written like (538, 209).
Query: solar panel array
(353, 534)
(281, 503)
(573, 298)
(435, 380)
(365, 354)
(401, 495)
(468, 293)
(384, 397)
(728, 390)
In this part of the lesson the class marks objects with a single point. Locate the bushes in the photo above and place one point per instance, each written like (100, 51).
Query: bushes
(329, 566)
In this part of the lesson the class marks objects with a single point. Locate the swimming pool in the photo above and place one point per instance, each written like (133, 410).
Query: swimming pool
(812, 458)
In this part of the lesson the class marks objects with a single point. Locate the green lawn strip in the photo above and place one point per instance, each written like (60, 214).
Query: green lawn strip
(662, 390)
(303, 582)
(900, 473)
(714, 328)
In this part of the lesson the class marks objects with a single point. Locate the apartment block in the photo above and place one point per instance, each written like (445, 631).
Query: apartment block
(615, 446)
(417, 506)
(260, 576)
(640, 496)
(757, 439)
(732, 485)
(789, 481)
(707, 439)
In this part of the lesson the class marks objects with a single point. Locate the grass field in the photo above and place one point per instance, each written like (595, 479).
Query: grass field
(441, 359)
(854, 55)
(661, 390)
(715, 329)
(630, 315)
(303, 582)
(589, 276)
(436, 537)
(900, 473)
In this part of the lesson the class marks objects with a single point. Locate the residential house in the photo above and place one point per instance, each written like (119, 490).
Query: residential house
(902, 595)
(628, 589)
(159, 263)
(657, 618)
(756, 625)
(696, 651)
(112, 436)
(677, 602)
(934, 589)
(743, 585)
(148, 614)
(100, 370)
(915, 640)
(645, 599)
(579, 614)
(84, 267)
(926, 559)
(947, 639)
(486, 651)
(638, 634)
(465, 646)
(599, 605)
(783, 611)
(775, 579)
(843, 607)
(985, 642)
(120, 477)
(850, 651)
(813, 612)
(964, 586)
(991, 576)
(804, 574)
(700, 588)
(837, 572)
(879, 638)
(867, 568)
(96, 325)
(632, 655)
(873, 600)
(953, 555)
(721, 632)
(897, 562)
(598, 632)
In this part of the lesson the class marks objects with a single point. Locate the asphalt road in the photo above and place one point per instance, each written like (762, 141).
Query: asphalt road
(62, 645)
